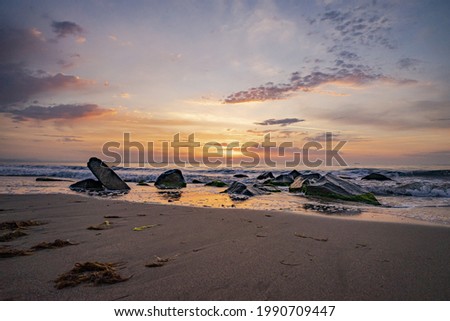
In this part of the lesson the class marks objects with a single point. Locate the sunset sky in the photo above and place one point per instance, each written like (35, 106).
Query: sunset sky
(77, 74)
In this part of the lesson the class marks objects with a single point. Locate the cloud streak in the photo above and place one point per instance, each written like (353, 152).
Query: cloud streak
(59, 112)
(282, 122)
(270, 91)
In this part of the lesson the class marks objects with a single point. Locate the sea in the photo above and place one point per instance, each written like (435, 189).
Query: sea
(419, 195)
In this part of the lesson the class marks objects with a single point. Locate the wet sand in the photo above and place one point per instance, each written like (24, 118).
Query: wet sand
(220, 254)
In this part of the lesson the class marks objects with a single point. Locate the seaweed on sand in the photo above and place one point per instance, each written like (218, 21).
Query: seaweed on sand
(8, 252)
(12, 235)
(53, 245)
(14, 225)
(90, 272)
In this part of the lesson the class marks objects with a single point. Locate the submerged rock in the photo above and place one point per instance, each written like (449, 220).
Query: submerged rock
(332, 187)
(240, 175)
(216, 184)
(265, 175)
(106, 175)
(240, 191)
(87, 185)
(171, 179)
(376, 177)
(196, 181)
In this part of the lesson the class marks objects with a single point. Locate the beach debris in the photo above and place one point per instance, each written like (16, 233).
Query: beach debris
(289, 264)
(310, 237)
(159, 261)
(96, 273)
(240, 175)
(376, 177)
(87, 185)
(332, 209)
(102, 226)
(333, 187)
(13, 225)
(106, 175)
(171, 179)
(216, 184)
(239, 191)
(112, 216)
(265, 175)
(171, 195)
(6, 252)
(144, 227)
(261, 235)
(15, 229)
(53, 245)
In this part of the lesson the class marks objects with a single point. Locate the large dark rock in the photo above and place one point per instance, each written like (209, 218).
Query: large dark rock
(106, 175)
(265, 175)
(332, 187)
(171, 179)
(240, 191)
(266, 188)
(282, 180)
(376, 177)
(294, 173)
(87, 185)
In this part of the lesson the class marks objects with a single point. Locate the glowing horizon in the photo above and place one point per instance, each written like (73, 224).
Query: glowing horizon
(74, 76)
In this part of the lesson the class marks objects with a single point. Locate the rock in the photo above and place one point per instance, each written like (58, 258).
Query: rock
(87, 185)
(142, 183)
(332, 187)
(282, 180)
(106, 175)
(266, 188)
(196, 181)
(294, 174)
(266, 175)
(216, 184)
(297, 185)
(171, 179)
(50, 179)
(376, 177)
(312, 176)
(240, 191)
(240, 175)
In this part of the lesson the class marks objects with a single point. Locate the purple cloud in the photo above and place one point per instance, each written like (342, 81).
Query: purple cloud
(281, 122)
(355, 76)
(66, 28)
(59, 112)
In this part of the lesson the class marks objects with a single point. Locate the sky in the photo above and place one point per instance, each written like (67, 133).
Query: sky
(75, 75)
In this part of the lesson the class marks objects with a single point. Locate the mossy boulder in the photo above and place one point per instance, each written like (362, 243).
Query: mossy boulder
(332, 187)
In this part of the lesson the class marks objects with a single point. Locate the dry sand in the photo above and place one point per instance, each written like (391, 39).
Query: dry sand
(221, 254)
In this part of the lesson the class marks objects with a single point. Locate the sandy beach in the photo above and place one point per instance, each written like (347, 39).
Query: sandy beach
(219, 254)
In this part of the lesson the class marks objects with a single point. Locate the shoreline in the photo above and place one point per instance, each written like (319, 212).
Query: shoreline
(221, 254)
